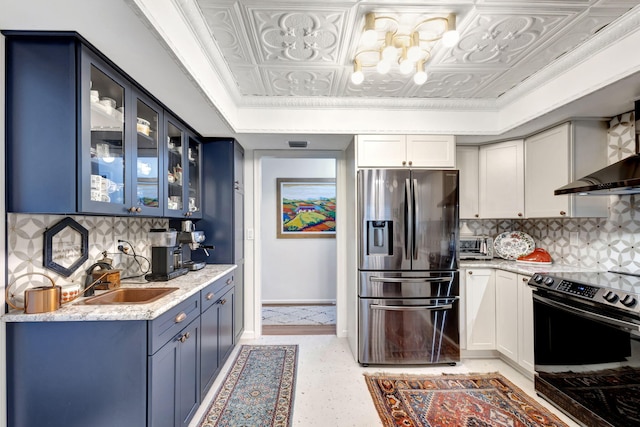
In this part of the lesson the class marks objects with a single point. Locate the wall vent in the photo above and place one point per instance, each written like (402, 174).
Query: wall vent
(298, 144)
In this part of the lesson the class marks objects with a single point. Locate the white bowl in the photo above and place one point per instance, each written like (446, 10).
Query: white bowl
(69, 292)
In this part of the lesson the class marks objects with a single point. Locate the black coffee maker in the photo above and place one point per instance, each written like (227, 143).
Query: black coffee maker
(166, 256)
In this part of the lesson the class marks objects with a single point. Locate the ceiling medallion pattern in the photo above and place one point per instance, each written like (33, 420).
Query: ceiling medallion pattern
(300, 82)
(297, 36)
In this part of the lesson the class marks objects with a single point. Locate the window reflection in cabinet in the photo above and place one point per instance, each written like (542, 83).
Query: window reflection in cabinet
(107, 139)
(175, 170)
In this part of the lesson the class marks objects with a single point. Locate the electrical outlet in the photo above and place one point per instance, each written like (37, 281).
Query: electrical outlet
(249, 233)
(574, 238)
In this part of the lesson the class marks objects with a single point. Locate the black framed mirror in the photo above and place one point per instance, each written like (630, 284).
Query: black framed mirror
(66, 247)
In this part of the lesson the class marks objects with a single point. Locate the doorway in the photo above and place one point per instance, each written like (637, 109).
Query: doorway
(298, 275)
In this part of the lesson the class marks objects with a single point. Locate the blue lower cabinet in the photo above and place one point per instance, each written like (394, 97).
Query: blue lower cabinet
(76, 374)
(174, 383)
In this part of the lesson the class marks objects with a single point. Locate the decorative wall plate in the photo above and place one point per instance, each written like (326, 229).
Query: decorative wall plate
(513, 244)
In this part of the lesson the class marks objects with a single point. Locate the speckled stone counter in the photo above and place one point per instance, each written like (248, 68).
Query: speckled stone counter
(520, 268)
(187, 285)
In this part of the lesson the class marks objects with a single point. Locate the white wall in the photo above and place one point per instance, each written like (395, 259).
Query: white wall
(294, 270)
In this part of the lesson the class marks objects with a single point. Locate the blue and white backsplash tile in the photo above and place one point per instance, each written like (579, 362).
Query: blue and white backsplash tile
(25, 243)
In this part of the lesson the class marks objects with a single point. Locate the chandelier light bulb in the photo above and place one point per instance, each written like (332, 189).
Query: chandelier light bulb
(383, 66)
(420, 77)
(406, 66)
(358, 76)
(414, 51)
(451, 37)
(370, 36)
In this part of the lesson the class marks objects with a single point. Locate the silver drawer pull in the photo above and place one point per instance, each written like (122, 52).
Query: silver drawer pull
(180, 317)
(209, 296)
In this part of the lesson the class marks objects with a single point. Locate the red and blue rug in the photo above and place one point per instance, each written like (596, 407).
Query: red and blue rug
(258, 391)
(474, 400)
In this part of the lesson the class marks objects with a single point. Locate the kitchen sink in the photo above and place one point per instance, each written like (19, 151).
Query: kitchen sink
(129, 296)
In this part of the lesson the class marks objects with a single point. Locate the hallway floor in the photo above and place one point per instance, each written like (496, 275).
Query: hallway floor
(330, 387)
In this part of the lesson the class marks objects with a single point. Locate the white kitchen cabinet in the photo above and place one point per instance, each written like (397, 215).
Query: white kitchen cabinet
(507, 314)
(525, 324)
(395, 151)
(560, 155)
(467, 163)
(501, 180)
(480, 309)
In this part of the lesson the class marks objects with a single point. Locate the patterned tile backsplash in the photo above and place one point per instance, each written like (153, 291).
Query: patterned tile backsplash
(25, 243)
(603, 243)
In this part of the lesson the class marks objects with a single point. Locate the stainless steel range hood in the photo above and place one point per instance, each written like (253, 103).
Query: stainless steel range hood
(622, 177)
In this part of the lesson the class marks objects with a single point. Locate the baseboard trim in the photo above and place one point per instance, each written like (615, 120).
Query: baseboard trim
(299, 330)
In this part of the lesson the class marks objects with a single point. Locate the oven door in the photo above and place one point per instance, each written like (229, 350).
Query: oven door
(409, 331)
(587, 360)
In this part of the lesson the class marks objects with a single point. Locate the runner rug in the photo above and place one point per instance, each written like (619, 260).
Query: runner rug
(476, 400)
(258, 391)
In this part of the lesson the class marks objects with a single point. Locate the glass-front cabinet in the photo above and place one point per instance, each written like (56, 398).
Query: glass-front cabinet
(183, 172)
(121, 159)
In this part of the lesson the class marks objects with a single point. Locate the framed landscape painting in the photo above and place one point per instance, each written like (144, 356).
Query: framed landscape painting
(306, 207)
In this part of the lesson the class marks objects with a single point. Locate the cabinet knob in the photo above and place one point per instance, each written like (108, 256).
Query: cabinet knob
(410, 162)
(180, 317)
(134, 209)
(470, 272)
(404, 163)
(520, 214)
(477, 215)
(223, 301)
(209, 296)
(524, 279)
(184, 336)
(187, 214)
(563, 213)
(229, 281)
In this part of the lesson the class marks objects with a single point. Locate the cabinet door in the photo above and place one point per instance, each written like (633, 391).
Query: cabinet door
(238, 299)
(148, 176)
(176, 205)
(193, 176)
(431, 151)
(105, 146)
(467, 163)
(208, 348)
(502, 180)
(546, 169)
(174, 393)
(381, 150)
(507, 314)
(226, 333)
(525, 324)
(480, 295)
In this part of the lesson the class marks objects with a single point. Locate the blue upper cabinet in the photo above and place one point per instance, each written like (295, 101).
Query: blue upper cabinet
(81, 136)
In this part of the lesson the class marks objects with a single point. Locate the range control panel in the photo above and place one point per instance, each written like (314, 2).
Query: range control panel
(606, 296)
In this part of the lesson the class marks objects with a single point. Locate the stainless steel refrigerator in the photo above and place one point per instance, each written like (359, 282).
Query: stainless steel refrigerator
(408, 266)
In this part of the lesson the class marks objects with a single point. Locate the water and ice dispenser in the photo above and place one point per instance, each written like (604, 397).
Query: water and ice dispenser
(379, 237)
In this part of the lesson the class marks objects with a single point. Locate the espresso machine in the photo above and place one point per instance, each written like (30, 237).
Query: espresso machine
(166, 256)
(191, 240)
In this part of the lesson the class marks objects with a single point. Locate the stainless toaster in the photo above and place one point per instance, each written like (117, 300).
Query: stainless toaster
(476, 247)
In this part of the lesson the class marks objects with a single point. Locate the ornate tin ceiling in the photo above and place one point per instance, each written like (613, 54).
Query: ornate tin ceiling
(304, 49)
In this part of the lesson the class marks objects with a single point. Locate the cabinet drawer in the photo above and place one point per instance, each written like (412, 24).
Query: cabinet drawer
(170, 323)
(213, 292)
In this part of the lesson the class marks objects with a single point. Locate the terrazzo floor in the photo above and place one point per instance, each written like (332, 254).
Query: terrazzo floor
(330, 387)
(284, 315)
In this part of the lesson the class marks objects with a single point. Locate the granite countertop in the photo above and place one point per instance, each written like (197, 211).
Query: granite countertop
(187, 285)
(520, 268)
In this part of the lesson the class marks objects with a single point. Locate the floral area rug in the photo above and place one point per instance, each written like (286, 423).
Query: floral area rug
(474, 400)
(258, 391)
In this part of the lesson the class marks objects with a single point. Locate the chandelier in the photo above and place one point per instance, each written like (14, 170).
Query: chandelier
(385, 43)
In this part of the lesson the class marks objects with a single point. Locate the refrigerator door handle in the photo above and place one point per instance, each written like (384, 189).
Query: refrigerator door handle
(416, 215)
(408, 218)
(411, 279)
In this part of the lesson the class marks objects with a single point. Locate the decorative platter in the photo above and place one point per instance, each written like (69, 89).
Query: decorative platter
(513, 244)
